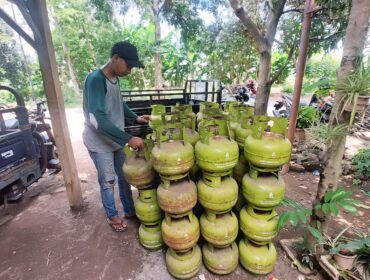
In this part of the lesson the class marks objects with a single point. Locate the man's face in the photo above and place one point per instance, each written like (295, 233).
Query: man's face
(121, 67)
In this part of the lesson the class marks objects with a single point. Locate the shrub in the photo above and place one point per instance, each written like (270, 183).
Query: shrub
(307, 116)
(361, 161)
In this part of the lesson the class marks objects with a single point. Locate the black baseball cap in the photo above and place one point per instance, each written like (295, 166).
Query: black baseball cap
(128, 52)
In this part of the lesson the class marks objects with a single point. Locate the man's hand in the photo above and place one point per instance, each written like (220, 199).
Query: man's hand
(136, 143)
(143, 119)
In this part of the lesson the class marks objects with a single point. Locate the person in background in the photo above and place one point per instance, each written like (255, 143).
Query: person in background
(104, 136)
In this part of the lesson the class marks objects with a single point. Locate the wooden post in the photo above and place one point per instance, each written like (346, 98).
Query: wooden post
(54, 96)
(300, 67)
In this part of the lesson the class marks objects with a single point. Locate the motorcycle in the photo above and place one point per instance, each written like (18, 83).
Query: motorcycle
(283, 108)
(323, 106)
(243, 93)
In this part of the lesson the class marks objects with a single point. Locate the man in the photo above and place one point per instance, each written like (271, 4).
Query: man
(104, 136)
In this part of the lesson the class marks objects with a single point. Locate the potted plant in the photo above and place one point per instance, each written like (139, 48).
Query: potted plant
(343, 256)
(356, 91)
(346, 251)
(307, 115)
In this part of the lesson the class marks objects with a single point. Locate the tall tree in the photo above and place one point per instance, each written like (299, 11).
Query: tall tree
(263, 37)
(157, 6)
(354, 42)
(263, 20)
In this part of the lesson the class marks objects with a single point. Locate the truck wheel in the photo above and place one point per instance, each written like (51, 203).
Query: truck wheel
(43, 159)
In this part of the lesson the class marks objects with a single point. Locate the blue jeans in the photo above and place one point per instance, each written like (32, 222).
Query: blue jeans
(108, 165)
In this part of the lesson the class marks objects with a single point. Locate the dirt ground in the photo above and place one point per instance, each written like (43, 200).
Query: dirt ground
(41, 238)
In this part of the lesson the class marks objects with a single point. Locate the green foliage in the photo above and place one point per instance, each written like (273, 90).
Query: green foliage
(334, 200)
(320, 74)
(307, 116)
(361, 161)
(356, 182)
(363, 255)
(353, 246)
(288, 86)
(299, 213)
(356, 83)
(278, 62)
(334, 242)
(322, 133)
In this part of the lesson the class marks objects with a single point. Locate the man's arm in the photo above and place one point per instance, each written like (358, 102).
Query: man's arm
(96, 91)
(130, 116)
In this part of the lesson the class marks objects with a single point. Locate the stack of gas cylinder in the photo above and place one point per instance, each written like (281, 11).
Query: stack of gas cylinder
(216, 155)
(240, 121)
(139, 172)
(266, 150)
(235, 160)
(173, 158)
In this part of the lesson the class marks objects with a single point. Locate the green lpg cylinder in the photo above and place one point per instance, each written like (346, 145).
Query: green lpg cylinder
(206, 106)
(221, 260)
(241, 168)
(258, 259)
(150, 237)
(184, 265)
(259, 226)
(267, 149)
(180, 234)
(217, 194)
(147, 208)
(229, 103)
(234, 115)
(177, 197)
(219, 229)
(216, 152)
(172, 159)
(245, 128)
(138, 168)
(264, 192)
(156, 115)
(211, 114)
(192, 136)
(186, 113)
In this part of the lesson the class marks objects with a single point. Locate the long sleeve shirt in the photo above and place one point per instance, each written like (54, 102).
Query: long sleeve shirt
(105, 114)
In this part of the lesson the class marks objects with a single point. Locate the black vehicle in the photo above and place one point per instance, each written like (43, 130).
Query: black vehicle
(140, 101)
(27, 147)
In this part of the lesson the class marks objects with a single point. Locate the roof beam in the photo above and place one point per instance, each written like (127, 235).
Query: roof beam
(22, 6)
(17, 28)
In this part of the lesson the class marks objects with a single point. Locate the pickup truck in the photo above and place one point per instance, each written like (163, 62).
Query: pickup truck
(194, 92)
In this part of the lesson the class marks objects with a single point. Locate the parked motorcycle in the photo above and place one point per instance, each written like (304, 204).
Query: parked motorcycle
(283, 108)
(323, 106)
(243, 93)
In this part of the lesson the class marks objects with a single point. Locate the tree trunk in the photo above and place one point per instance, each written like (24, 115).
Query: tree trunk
(156, 7)
(264, 85)
(89, 45)
(356, 34)
(263, 39)
(71, 71)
